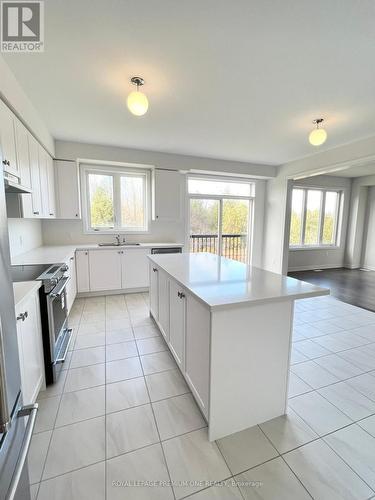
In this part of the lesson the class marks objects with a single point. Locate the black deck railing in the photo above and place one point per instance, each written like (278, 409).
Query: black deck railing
(234, 246)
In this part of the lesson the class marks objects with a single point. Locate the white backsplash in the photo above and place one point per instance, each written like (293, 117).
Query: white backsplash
(24, 235)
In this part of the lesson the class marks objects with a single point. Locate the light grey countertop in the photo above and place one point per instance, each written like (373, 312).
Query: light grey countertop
(52, 254)
(221, 282)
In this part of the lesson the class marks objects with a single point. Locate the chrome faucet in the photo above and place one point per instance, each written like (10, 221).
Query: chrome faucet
(117, 239)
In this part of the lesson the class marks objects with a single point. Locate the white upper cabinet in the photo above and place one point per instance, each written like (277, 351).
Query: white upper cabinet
(36, 196)
(82, 271)
(43, 170)
(23, 157)
(8, 140)
(105, 269)
(51, 186)
(67, 190)
(167, 190)
(135, 268)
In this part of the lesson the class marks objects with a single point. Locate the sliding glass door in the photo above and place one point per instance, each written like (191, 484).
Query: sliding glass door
(220, 223)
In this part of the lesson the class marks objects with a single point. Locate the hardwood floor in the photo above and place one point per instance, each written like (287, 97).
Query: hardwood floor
(349, 285)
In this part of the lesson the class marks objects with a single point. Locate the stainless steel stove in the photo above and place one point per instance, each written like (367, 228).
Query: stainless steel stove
(53, 309)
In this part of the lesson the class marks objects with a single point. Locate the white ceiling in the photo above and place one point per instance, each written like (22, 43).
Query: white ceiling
(357, 171)
(232, 79)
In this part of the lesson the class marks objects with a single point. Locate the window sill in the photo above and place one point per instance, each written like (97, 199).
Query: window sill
(313, 247)
(114, 231)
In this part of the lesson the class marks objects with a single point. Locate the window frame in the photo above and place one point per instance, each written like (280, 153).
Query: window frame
(116, 173)
(338, 218)
(220, 198)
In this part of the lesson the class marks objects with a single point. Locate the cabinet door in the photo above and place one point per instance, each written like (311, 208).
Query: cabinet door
(36, 197)
(43, 169)
(135, 268)
(163, 294)
(67, 190)
(51, 186)
(166, 195)
(30, 347)
(177, 322)
(8, 140)
(105, 270)
(23, 158)
(154, 293)
(71, 287)
(82, 271)
(197, 350)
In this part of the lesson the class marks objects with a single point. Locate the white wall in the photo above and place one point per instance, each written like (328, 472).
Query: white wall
(303, 259)
(24, 235)
(12, 93)
(357, 220)
(368, 261)
(276, 249)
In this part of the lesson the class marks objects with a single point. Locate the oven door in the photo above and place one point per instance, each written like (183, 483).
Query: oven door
(60, 334)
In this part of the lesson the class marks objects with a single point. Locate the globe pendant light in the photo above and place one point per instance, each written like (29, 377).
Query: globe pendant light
(137, 102)
(318, 136)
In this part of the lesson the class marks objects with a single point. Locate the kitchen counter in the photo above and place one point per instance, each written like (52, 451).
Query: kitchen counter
(229, 328)
(23, 289)
(222, 283)
(51, 254)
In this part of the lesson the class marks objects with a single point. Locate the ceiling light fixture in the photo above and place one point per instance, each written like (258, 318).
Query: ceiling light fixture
(137, 101)
(318, 136)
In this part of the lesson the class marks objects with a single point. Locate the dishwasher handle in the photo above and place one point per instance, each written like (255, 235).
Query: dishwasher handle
(31, 412)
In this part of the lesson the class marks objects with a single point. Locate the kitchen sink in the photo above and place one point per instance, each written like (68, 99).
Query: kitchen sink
(119, 244)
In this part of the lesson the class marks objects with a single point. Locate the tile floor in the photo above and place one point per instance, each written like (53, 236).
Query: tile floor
(121, 422)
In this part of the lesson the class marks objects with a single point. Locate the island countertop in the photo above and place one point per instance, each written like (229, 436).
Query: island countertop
(220, 282)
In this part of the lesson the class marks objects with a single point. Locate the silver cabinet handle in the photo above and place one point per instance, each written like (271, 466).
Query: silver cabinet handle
(26, 411)
(36, 213)
(22, 316)
(154, 269)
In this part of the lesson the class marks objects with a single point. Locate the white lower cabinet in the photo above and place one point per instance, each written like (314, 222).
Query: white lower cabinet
(177, 298)
(163, 294)
(82, 271)
(71, 287)
(29, 337)
(197, 350)
(105, 269)
(135, 268)
(154, 291)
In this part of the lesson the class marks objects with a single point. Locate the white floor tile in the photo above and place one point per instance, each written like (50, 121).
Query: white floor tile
(311, 349)
(226, 491)
(324, 474)
(338, 366)
(151, 345)
(123, 369)
(144, 332)
(87, 357)
(368, 424)
(81, 405)
(144, 465)
(178, 415)
(85, 341)
(276, 480)
(118, 337)
(313, 374)
(288, 432)
(361, 357)
(91, 328)
(121, 351)
(365, 384)
(75, 446)
(158, 362)
(130, 429)
(47, 412)
(37, 455)
(85, 377)
(126, 394)
(297, 386)
(246, 449)
(193, 458)
(83, 484)
(318, 413)
(357, 449)
(166, 384)
(354, 404)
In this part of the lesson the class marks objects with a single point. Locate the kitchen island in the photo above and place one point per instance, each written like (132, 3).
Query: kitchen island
(229, 328)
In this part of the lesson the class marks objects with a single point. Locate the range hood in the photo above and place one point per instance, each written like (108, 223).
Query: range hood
(12, 186)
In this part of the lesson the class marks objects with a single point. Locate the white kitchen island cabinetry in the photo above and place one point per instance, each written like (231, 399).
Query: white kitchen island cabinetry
(230, 334)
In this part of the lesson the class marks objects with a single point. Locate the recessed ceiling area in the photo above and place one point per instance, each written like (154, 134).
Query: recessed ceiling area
(236, 80)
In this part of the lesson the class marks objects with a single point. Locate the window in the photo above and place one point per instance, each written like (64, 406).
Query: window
(314, 217)
(220, 216)
(116, 199)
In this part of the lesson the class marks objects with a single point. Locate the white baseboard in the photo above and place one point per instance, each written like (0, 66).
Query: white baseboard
(367, 268)
(311, 268)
